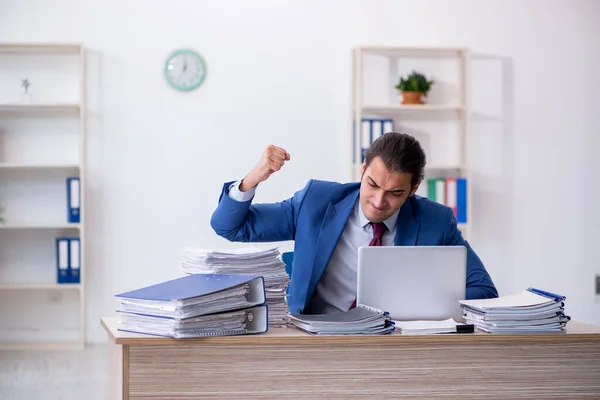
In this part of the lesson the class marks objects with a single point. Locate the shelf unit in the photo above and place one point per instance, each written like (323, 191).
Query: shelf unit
(42, 142)
(378, 98)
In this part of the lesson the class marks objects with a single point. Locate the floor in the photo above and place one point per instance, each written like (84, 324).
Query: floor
(54, 375)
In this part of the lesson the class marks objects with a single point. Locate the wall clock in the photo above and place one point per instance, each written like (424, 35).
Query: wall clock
(184, 70)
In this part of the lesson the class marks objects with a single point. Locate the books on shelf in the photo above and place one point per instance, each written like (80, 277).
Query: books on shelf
(361, 320)
(244, 262)
(196, 306)
(529, 311)
(449, 191)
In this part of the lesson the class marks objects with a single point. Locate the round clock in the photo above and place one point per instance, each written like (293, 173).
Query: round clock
(184, 70)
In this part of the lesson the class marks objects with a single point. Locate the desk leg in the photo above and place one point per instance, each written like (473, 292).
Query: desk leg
(118, 373)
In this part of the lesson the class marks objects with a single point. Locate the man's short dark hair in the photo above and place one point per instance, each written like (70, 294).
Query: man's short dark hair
(400, 153)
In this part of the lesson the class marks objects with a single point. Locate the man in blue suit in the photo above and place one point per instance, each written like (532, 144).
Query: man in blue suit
(329, 221)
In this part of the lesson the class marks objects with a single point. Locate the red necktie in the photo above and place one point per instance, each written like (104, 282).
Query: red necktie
(378, 230)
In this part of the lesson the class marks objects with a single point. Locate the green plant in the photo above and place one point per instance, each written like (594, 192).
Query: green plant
(1, 216)
(414, 82)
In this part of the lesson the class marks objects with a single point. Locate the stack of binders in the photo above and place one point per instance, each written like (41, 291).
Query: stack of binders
(361, 320)
(246, 261)
(530, 311)
(196, 306)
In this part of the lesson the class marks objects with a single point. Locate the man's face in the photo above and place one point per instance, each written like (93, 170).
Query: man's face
(382, 192)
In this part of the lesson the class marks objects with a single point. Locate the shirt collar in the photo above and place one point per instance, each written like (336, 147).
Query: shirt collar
(390, 223)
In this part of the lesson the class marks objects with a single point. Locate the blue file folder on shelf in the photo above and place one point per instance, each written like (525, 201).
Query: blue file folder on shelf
(461, 200)
(74, 261)
(63, 268)
(371, 129)
(196, 305)
(73, 200)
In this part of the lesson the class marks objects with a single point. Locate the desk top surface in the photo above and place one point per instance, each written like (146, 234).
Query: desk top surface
(575, 331)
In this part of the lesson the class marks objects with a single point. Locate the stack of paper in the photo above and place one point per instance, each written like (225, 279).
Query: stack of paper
(431, 327)
(529, 311)
(246, 261)
(196, 305)
(361, 320)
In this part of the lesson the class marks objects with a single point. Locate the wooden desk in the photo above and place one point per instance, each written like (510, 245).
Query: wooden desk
(290, 364)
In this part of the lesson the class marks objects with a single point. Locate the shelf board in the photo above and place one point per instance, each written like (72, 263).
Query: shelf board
(429, 168)
(412, 51)
(444, 168)
(408, 107)
(75, 345)
(54, 107)
(39, 226)
(40, 47)
(16, 166)
(39, 286)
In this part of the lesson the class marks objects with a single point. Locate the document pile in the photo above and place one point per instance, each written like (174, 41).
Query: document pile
(361, 320)
(195, 306)
(246, 261)
(529, 311)
(426, 327)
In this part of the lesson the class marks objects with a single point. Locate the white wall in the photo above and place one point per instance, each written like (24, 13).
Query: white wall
(279, 72)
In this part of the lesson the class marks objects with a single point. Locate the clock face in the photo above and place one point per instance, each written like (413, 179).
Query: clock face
(184, 70)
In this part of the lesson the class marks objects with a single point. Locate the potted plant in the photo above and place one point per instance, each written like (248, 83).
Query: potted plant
(413, 88)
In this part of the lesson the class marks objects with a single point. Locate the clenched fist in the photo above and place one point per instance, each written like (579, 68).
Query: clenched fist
(272, 160)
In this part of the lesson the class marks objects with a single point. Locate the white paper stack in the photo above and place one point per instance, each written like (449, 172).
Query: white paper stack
(246, 261)
(361, 320)
(426, 327)
(529, 311)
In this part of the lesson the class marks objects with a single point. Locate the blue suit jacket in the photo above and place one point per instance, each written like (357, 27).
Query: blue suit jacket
(315, 218)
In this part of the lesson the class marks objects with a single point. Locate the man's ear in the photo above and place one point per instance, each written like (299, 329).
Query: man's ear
(414, 189)
(363, 168)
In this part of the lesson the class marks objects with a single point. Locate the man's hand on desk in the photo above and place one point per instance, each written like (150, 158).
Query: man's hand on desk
(271, 161)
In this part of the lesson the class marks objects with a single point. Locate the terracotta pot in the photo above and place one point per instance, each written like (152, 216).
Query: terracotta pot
(412, 98)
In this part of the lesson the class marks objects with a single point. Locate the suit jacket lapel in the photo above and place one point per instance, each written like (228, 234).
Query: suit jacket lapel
(333, 225)
(407, 228)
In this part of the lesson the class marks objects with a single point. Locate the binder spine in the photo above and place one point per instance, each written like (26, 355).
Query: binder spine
(547, 294)
(73, 200)
(74, 261)
(193, 334)
(63, 267)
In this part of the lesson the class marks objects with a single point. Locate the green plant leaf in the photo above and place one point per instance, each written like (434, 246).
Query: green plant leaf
(414, 82)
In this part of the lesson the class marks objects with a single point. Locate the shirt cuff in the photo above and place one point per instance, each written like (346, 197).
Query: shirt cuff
(236, 194)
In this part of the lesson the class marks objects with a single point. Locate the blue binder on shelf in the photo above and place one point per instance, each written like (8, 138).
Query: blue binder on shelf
(461, 200)
(63, 269)
(74, 260)
(371, 129)
(73, 199)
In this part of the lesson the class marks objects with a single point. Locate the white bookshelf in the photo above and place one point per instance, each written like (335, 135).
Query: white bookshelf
(42, 142)
(441, 124)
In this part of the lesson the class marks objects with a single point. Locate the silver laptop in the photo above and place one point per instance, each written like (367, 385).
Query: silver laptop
(413, 282)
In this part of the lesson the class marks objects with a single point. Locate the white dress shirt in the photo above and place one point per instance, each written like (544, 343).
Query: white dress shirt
(337, 289)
